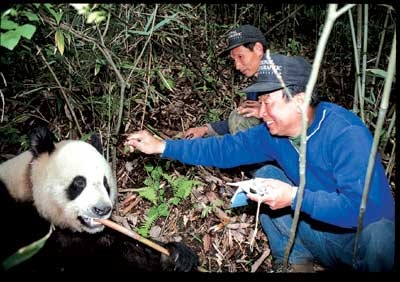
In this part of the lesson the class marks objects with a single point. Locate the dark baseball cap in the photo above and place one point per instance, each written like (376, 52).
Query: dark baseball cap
(242, 35)
(294, 70)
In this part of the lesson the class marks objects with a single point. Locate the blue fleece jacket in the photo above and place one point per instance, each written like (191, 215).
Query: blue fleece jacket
(338, 149)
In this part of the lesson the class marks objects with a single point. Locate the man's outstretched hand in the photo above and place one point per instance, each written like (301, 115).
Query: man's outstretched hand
(144, 142)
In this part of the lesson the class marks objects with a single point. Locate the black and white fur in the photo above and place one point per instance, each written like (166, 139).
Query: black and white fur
(68, 184)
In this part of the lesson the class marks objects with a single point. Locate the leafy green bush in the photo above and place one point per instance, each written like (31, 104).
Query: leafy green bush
(155, 193)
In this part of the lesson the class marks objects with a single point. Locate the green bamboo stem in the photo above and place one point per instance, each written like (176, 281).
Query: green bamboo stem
(357, 91)
(388, 133)
(391, 162)
(331, 17)
(381, 120)
(2, 98)
(378, 56)
(364, 60)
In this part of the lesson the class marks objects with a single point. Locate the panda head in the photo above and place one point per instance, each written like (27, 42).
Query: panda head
(72, 183)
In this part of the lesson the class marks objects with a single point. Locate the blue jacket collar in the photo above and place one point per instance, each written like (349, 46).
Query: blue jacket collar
(319, 117)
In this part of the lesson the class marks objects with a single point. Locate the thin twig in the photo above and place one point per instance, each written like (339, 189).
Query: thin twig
(62, 91)
(133, 235)
(285, 19)
(253, 237)
(2, 98)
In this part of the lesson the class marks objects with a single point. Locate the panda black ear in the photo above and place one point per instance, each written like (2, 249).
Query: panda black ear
(42, 141)
(96, 142)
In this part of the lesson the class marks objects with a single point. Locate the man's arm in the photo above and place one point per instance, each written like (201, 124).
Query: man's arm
(210, 129)
(226, 151)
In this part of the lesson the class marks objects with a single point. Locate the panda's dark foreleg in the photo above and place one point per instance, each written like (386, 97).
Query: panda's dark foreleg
(174, 256)
(181, 258)
(113, 251)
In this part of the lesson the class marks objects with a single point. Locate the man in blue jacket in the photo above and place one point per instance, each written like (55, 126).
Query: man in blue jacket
(338, 149)
(246, 46)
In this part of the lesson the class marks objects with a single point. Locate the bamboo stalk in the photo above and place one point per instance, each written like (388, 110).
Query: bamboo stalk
(388, 133)
(133, 235)
(391, 162)
(357, 90)
(331, 17)
(381, 119)
(378, 56)
(2, 98)
(364, 61)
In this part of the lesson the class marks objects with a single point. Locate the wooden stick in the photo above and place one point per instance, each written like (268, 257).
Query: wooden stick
(133, 235)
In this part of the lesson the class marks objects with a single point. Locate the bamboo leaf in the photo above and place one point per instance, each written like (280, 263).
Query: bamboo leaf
(59, 37)
(96, 69)
(31, 16)
(145, 33)
(11, 12)
(26, 252)
(164, 22)
(56, 16)
(376, 72)
(169, 84)
(68, 37)
(146, 28)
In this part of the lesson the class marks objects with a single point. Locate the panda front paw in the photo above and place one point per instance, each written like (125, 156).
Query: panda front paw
(181, 258)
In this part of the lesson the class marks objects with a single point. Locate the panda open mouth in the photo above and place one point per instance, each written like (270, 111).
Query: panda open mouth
(89, 222)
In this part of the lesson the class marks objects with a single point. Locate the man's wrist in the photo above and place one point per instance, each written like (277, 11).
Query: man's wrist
(210, 131)
(162, 146)
(293, 194)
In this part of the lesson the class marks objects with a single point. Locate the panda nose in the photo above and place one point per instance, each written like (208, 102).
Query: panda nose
(101, 211)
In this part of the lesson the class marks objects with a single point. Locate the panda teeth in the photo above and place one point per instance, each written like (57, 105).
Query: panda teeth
(90, 221)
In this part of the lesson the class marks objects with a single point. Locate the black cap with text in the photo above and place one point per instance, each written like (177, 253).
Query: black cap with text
(242, 35)
(294, 70)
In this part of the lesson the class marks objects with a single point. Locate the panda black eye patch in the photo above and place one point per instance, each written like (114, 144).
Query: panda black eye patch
(76, 187)
(105, 182)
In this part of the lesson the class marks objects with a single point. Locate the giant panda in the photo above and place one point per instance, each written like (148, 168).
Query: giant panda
(67, 185)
